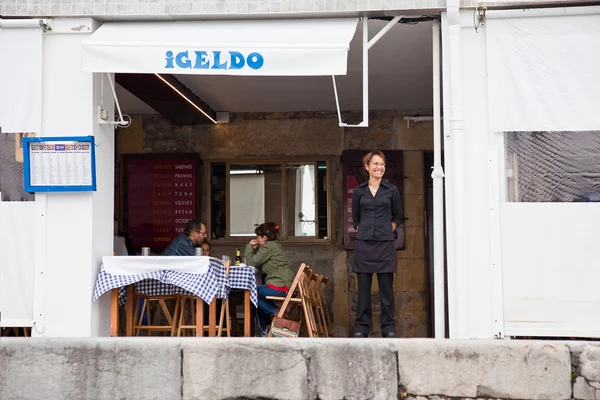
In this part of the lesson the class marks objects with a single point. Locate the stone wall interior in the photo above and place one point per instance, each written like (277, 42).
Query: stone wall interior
(314, 134)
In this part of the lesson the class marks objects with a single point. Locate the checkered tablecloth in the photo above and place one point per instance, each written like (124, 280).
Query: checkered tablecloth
(206, 286)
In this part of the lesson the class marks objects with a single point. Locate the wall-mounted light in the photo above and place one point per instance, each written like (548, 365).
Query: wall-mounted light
(416, 120)
(186, 98)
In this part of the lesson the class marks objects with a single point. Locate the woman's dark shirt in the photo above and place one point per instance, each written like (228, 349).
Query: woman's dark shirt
(374, 215)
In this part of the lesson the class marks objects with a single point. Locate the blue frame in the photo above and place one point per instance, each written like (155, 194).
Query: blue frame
(75, 188)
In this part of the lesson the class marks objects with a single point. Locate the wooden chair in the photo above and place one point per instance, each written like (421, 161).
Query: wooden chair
(323, 309)
(297, 299)
(306, 289)
(316, 286)
(225, 317)
(196, 307)
(289, 298)
(142, 309)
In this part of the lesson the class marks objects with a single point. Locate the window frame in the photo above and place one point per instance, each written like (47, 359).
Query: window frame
(283, 162)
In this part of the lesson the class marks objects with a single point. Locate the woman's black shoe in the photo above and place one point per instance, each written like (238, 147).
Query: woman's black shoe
(359, 335)
(389, 335)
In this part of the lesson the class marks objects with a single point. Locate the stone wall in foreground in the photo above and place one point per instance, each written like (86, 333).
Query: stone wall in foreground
(324, 369)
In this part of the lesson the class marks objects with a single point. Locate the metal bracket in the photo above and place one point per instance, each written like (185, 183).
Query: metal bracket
(103, 114)
(45, 25)
(479, 17)
(366, 45)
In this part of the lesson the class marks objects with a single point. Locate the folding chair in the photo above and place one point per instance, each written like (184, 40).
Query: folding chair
(297, 297)
(289, 297)
(322, 307)
(314, 296)
(304, 288)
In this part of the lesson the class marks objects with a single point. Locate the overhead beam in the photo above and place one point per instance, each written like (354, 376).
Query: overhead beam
(169, 97)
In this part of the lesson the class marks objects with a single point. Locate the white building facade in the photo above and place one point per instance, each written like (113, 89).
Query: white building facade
(519, 260)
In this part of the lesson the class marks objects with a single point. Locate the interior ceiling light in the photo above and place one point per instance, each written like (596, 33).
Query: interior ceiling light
(186, 98)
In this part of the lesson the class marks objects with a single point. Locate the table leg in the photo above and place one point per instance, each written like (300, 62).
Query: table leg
(247, 314)
(114, 312)
(129, 310)
(212, 318)
(232, 304)
(199, 317)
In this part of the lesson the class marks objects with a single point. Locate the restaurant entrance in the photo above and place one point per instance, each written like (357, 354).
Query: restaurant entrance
(273, 157)
(271, 141)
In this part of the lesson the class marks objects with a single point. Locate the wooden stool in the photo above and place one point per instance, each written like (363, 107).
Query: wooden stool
(225, 310)
(138, 325)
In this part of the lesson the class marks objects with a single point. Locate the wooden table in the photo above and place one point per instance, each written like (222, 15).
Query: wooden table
(212, 314)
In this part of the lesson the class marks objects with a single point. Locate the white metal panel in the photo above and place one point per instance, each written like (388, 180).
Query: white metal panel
(236, 47)
(472, 295)
(20, 77)
(543, 71)
(543, 76)
(17, 262)
(550, 268)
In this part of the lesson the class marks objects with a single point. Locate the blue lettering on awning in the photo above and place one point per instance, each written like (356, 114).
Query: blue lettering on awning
(200, 59)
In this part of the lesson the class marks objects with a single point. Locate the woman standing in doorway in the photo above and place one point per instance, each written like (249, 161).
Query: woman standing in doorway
(376, 213)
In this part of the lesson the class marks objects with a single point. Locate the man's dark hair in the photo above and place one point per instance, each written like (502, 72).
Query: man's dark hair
(192, 226)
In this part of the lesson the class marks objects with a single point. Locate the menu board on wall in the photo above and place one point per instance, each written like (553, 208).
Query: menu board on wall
(161, 196)
(59, 164)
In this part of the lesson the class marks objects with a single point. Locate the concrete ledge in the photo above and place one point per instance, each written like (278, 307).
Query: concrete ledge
(587, 380)
(32, 369)
(323, 369)
(221, 369)
(490, 369)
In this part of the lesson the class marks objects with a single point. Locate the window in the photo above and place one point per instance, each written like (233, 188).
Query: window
(293, 194)
(552, 166)
(11, 168)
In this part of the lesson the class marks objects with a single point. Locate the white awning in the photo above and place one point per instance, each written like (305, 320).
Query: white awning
(21, 80)
(543, 72)
(298, 47)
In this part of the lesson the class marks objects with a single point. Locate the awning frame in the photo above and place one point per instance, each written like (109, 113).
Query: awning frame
(102, 115)
(366, 45)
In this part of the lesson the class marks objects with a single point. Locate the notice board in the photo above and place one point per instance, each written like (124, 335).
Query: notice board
(161, 193)
(354, 174)
(59, 164)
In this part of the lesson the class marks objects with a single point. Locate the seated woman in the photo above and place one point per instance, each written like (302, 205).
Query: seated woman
(206, 246)
(266, 253)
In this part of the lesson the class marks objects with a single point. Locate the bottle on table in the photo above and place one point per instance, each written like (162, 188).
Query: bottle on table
(238, 257)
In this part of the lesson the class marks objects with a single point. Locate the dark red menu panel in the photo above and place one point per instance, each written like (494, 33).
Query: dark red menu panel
(162, 197)
(351, 184)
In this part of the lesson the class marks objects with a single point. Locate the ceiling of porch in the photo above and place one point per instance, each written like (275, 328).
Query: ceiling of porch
(400, 78)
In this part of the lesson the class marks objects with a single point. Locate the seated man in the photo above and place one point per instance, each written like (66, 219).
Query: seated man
(185, 243)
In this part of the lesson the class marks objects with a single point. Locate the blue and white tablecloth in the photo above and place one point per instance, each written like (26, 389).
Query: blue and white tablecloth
(164, 282)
